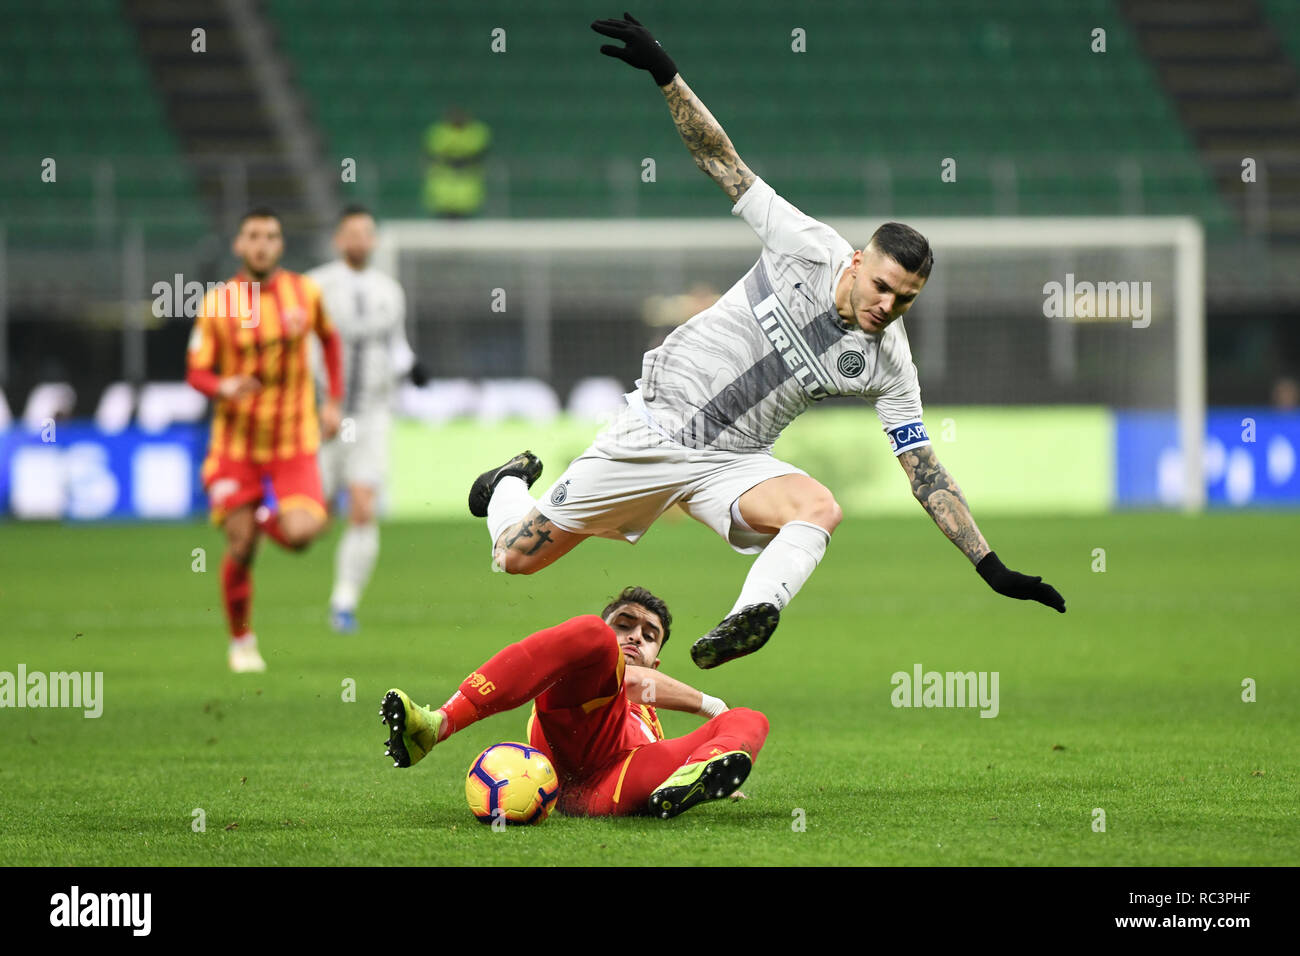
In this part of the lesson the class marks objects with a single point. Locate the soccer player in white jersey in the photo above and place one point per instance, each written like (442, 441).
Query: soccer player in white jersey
(371, 318)
(812, 319)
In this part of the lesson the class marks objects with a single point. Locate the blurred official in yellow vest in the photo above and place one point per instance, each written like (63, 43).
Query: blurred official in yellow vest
(455, 185)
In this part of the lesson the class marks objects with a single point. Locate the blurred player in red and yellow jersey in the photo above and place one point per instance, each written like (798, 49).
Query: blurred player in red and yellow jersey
(249, 354)
(594, 684)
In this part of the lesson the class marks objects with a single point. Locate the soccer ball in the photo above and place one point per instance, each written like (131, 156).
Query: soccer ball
(511, 782)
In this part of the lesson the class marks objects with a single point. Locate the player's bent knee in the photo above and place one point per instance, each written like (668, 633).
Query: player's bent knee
(750, 714)
(834, 518)
(753, 720)
(300, 528)
(822, 510)
(298, 538)
(361, 510)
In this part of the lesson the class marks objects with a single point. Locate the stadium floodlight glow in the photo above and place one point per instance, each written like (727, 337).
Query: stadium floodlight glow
(545, 261)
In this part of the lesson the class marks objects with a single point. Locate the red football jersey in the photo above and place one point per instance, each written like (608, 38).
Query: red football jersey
(238, 332)
(582, 741)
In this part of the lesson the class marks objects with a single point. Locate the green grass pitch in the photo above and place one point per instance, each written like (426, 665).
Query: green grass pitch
(1131, 702)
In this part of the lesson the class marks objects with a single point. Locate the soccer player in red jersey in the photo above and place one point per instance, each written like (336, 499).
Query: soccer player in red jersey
(248, 353)
(594, 685)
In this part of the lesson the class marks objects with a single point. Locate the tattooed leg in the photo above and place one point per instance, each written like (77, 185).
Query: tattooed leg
(532, 544)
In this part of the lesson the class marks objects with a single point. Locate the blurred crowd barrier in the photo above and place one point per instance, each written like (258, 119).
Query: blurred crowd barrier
(1086, 460)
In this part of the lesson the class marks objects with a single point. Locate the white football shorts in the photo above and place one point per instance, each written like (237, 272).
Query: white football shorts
(631, 474)
(361, 461)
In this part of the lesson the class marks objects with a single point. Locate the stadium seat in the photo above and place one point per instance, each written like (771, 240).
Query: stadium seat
(1284, 15)
(74, 86)
(1015, 80)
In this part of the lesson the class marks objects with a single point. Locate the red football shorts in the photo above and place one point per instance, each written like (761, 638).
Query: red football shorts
(623, 786)
(232, 484)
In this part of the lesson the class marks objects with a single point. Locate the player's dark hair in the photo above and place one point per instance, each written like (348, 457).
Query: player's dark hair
(905, 246)
(653, 604)
(355, 209)
(258, 212)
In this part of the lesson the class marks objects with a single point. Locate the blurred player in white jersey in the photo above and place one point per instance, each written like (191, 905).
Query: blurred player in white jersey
(812, 319)
(370, 311)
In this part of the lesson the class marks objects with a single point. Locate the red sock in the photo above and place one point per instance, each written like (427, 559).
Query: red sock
(519, 672)
(268, 522)
(738, 729)
(237, 593)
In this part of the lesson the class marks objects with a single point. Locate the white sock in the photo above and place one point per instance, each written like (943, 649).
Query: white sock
(781, 570)
(509, 504)
(355, 559)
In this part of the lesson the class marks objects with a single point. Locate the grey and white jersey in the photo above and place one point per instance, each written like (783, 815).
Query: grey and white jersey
(369, 310)
(736, 374)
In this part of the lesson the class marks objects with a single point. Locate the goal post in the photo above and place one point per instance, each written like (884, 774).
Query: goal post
(1018, 311)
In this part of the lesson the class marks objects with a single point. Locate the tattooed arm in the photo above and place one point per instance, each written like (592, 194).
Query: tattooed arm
(704, 136)
(940, 496)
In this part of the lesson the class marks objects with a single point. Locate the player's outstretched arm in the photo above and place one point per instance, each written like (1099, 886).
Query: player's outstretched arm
(939, 495)
(645, 685)
(709, 144)
(703, 135)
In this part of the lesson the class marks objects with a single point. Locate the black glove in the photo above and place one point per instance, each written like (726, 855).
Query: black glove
(1013, 584)
(419, 377)
(642, 51)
